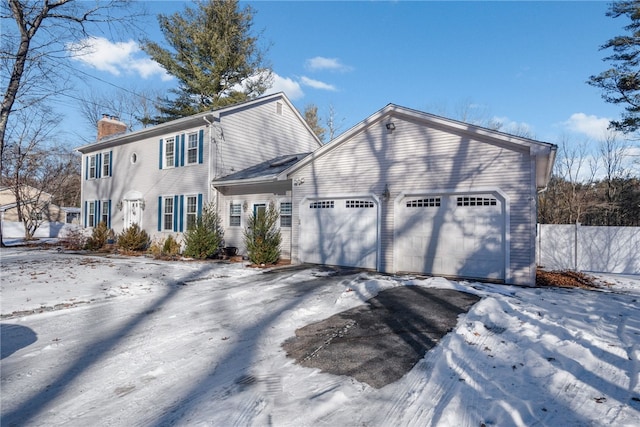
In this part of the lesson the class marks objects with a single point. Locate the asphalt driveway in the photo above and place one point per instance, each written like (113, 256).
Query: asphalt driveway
(381, 341)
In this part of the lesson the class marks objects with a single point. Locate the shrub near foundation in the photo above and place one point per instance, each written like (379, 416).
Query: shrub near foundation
(133, 239)
(204, 238)
(262, 237)
(99, 237)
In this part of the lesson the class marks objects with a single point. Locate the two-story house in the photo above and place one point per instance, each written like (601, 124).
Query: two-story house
(160, 177)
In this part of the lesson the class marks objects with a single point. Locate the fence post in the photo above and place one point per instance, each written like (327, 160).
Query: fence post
(575, 246)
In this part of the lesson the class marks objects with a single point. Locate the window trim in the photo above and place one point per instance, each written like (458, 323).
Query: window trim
(106, 162)
(187, 214)
(170, 215)
(235, 214)
(288, 215)
(165, 143)
(195, 148)
(92, 167)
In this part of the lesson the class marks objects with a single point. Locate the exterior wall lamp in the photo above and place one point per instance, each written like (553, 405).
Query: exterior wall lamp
(386, 194)
(390, 126)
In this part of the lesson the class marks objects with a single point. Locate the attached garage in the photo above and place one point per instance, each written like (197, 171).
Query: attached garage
(460, 234)
(339, 231)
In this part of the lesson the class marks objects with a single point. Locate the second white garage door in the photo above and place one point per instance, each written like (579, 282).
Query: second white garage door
(339, 231)
(451, 235)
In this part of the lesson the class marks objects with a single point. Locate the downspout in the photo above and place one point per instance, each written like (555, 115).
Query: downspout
(212, 163)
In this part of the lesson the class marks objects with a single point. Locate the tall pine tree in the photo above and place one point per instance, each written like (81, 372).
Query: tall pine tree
(621, 83)
(214, 56)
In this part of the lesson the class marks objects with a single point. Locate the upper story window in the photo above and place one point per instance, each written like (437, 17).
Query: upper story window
(169, 152)
(106, 164)
(93, 172)
(192, 148)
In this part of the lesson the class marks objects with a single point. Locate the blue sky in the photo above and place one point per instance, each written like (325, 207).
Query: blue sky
(522, 63)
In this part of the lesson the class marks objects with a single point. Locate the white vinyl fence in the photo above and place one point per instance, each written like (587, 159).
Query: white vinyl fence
(15, 230)
(586, 248)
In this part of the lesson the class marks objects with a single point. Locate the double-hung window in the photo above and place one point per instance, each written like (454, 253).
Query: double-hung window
(106, 164)
(285, 214)
(91, 214)
(235, 211)
(92, 167)
(192, 211)
(167, 224)
(104, 214)
(169, 152)
(192, 148)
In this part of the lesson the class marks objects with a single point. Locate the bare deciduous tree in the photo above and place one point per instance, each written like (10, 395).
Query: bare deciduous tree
(36, 169)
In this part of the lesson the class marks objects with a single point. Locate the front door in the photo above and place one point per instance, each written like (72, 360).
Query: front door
(259, 211)
(132, 213)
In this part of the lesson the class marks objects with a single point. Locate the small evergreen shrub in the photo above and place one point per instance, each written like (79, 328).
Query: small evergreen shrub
(133, 239)
(262, 237)
(204, 238)
(99, 237)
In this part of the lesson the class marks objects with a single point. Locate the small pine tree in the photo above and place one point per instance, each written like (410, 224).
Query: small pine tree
(134, 239)
(99, 237)
(205, 237)
(262, 237)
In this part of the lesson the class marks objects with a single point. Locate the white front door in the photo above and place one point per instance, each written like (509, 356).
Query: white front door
(132, 213)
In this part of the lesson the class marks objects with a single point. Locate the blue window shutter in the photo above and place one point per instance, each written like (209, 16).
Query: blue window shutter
(160, 164)
(200, 145)
(98, 165)
(175, 213)
(159, 213)
(182, 150)
(86, 213)
(199, 205)
(110, 164)
(98, 215)
(86, 170)
(181, 213)
(109, 214)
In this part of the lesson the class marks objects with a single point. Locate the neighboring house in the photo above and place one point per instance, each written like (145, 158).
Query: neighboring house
(406, 191)
(160, 177)
(37, 204)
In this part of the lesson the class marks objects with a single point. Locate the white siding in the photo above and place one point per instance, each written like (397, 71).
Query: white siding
(234, 236)
(420, 159)
(244, 136)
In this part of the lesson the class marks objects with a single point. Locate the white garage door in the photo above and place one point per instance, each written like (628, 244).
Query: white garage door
(451, 235)
(339, 231)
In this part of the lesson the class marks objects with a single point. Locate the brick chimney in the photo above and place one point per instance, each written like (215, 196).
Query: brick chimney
(110, 125)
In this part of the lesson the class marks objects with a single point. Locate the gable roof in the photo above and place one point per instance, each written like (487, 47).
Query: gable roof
(191, 121)
(268, 171)
(543, 152)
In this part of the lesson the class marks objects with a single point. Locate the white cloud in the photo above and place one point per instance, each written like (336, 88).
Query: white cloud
(593, 126)
(116, 58)
(320, 63)
(316, 84)
(286, 85)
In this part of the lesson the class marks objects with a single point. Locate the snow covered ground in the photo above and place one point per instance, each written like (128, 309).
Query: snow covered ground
(113, 341)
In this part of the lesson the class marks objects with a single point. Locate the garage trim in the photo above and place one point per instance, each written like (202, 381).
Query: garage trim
(347, 196)
(429, 197)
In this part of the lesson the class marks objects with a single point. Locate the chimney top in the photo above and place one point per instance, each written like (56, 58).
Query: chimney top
(110, 125)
